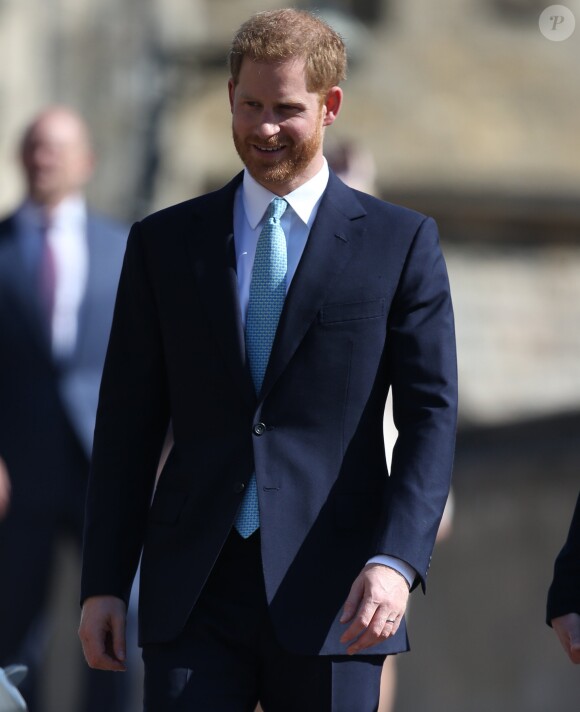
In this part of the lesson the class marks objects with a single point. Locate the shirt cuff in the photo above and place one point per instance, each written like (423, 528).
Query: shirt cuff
(392, 562)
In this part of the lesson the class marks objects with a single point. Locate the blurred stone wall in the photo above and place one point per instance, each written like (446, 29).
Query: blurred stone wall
(458, 94)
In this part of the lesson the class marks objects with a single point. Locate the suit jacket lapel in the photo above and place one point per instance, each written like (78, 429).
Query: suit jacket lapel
(326, 254)
(214, 262)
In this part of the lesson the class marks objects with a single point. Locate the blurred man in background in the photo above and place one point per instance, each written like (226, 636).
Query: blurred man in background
(59, 268)
(564, 595)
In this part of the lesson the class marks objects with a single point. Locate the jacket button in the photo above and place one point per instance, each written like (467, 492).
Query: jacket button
(239, 487)
(259, 429)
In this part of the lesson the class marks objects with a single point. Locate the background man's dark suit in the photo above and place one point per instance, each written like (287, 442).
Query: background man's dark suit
(47, 412)
(368, 308)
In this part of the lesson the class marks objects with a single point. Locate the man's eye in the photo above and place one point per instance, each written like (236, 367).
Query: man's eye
(288, 111)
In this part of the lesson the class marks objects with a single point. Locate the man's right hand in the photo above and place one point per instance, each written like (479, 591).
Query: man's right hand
(102, 632)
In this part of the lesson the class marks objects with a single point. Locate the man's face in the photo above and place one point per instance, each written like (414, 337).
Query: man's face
(277, 123)
(56, 157)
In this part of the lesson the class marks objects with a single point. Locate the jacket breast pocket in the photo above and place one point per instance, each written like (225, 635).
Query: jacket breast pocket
(351, 311)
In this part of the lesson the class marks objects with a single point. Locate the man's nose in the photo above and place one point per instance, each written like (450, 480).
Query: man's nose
(268, 125)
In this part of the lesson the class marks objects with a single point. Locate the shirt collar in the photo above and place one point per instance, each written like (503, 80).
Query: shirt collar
(303, 200)
(71, 210)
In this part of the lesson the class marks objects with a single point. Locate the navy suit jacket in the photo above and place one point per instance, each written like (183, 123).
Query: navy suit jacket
(368, 309)
(564, 593)
(38, 397)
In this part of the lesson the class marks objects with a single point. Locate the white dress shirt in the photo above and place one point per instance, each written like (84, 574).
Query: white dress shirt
(251, 202)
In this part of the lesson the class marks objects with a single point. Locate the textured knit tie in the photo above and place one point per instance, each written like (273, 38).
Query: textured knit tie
(267, 294)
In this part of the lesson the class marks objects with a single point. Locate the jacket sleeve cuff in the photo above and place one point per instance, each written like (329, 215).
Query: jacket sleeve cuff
(405, 569)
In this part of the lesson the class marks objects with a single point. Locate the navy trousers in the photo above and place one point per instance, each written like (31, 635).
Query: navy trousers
(227, 658)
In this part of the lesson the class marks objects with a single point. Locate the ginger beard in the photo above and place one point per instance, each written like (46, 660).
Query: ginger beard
(295, 158)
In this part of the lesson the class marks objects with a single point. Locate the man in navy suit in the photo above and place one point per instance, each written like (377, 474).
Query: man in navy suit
(59, 269)
(300, 612)
(563, 610)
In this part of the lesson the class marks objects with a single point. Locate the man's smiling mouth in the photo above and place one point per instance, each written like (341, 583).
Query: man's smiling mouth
(269, 149)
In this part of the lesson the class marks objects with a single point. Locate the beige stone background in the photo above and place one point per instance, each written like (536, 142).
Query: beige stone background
(470, 114)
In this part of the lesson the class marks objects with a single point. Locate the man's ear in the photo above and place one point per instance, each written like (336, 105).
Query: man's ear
(231, 91)
(331, 105)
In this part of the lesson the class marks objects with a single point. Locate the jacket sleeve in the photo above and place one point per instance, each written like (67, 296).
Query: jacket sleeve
(132, 420)
(422, 363)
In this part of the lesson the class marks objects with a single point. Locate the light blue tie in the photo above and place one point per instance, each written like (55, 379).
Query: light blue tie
(267, 294)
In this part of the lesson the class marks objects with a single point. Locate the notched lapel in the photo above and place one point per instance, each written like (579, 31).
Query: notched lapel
(214, 263)
(327, 252)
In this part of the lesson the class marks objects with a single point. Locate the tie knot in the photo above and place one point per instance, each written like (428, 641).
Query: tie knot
(276, 209)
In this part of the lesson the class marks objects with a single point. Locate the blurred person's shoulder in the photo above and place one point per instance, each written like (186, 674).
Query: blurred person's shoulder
(107, 227)
(7, 222)
(9, 231)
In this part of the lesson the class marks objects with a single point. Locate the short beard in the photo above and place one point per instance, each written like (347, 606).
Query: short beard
(287, 169)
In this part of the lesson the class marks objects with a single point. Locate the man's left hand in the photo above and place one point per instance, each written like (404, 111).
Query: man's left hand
(374, 608)
(568, 631)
